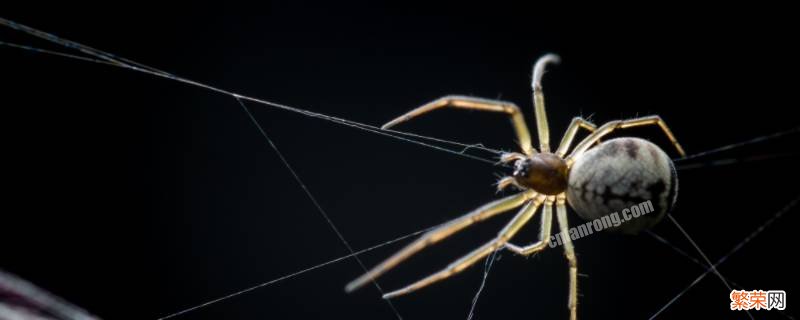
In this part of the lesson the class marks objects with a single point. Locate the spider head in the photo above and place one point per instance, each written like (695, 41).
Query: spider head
(545, 173)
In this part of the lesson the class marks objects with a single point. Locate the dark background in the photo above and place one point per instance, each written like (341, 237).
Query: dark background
(135, 197)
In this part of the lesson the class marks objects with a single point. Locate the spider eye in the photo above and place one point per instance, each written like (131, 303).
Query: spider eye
(521, 167)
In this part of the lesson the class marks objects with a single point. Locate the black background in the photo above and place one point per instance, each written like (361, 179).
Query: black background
(136, 197)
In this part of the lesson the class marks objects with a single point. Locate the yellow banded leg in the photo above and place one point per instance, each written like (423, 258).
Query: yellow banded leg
(572, 130)
(484, 212)
(544, 231)
(538, 100)
(622, 124)
(453, 101)
(459, 265)
(569, 252)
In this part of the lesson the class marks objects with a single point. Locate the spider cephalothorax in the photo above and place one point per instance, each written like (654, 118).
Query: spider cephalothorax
(544, 172)
(596, 177)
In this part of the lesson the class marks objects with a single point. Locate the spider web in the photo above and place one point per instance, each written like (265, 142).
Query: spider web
(92, 55)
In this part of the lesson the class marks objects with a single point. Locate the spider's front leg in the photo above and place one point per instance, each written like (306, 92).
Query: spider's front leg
(431, 237)
(459, 265)
(463, 102)
(538, 99)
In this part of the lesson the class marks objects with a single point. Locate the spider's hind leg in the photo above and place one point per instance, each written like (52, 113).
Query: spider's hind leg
(569, 252)
(544, 231)
(611, 126)
(572, 130)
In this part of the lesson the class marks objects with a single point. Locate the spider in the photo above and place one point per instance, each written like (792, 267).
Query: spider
(596, 178)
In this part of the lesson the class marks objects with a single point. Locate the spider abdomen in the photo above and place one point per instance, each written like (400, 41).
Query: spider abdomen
(619, 174)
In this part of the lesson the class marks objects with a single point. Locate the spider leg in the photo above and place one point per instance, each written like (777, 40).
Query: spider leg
(463, 102)
(459, 265)
(538, 100)
(622, 124)
(544, 232)
(572, 130)
(569, 252)
(484, 212)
